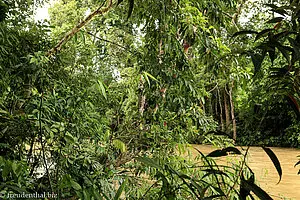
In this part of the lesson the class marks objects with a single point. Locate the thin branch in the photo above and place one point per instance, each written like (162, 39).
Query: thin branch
(78, 27)
(238, 13)
(213, 88)
(109, 41)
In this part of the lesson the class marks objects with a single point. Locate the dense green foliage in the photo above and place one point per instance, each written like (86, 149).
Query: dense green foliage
(104, 114)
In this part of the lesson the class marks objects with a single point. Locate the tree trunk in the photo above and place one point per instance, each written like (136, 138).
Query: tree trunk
(227, 116)
(221, 111)
(232, 112)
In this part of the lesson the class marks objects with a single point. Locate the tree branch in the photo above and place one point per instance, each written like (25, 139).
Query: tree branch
(125, 48)
(238, 12)
(77, 28)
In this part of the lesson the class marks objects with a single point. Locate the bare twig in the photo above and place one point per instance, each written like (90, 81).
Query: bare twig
(213, 88)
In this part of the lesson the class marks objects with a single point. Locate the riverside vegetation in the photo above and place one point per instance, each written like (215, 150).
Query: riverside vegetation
(97, 101)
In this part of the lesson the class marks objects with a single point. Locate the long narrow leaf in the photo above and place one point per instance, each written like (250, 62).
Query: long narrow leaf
(260, 193)
(120, 190)
(131, 4)
(275, 161)
(149, 75)
(275, 20)
(119, 1)
(150, 162)
(101, 89)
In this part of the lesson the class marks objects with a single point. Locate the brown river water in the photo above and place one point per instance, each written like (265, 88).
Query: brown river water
(265, 172)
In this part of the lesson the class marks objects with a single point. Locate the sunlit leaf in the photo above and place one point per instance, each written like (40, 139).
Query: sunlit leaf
(149, 75)
(120, 190)
(75, 185)
(101, 88)
(119, 145)
(150, 162)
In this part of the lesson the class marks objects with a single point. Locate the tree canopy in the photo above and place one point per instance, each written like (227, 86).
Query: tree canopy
(97, 101)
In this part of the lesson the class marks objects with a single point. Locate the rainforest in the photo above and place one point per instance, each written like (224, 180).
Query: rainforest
(149, 99)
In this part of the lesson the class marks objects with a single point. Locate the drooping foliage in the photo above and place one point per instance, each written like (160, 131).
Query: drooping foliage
(98, 99)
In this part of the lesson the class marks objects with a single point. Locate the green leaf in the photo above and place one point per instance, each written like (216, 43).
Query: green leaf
(213, 197)
(82, 36)
(284, 52)
(282, 34)
(272, 54)
(120, 190)
(263, 33)
(275, 161)
(86, 195)
(244, 32)
(97, 196)
(271, 5)
(297, 163)
(16, 189)
(6, 170)
(75, 185)
(232, 150)
(150, 162)
(257, 60)
(131, 4)
(119, 145)
(69, 138)
(295, 46)
(260, 193)
(217, 153)
(119, 1)
(244, 192)
(147, 79)
(149, 75)
(275, 20)
(213, 172)
(280, 11)
(101, 88)
(224, 152)
(3, 112)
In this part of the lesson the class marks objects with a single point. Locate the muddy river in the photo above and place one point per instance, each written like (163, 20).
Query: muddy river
(265, 172)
